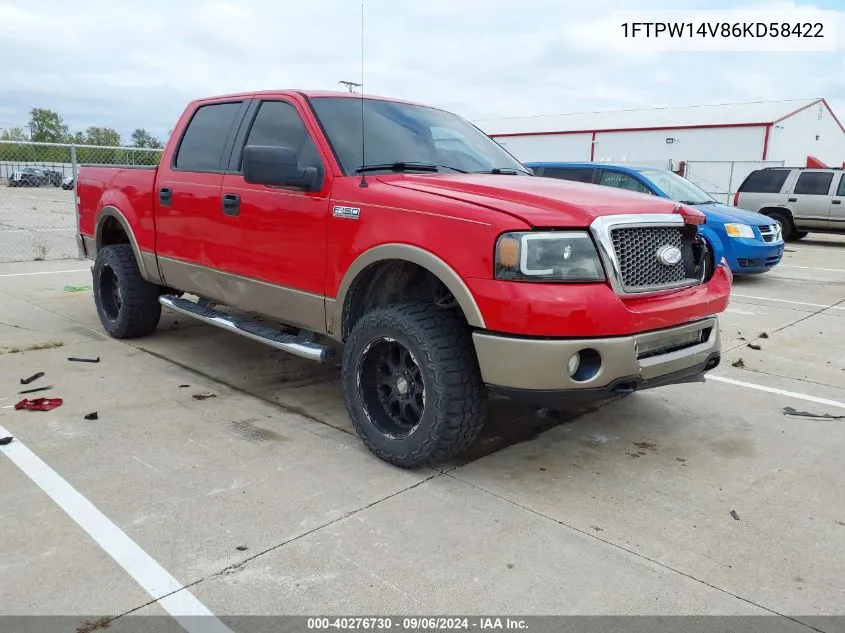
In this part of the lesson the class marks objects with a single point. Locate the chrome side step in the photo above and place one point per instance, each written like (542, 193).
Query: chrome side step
(299, 345)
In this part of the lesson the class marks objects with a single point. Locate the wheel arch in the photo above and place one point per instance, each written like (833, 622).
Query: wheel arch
(768, 209)
(108, 217)
(426, 260)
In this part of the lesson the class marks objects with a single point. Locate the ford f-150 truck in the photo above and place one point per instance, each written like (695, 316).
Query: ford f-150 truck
(400, 242)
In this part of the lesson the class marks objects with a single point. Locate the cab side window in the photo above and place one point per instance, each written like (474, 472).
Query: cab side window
(278, 124)
(813, 183)
(569, 173)
(203, 143)
(622, 181)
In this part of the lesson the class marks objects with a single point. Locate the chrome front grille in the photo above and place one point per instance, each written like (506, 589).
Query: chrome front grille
(769, 232)
(636, 250)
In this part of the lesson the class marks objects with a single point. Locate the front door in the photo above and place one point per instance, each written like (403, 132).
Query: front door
(281, 262)
(810, 199)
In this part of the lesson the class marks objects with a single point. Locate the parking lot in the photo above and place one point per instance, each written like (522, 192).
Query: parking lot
(223, 477)
(36, 223)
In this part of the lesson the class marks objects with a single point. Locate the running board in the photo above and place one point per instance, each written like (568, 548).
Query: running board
(297, 345)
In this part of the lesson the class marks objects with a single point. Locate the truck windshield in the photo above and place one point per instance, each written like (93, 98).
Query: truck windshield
(676, 187)
(401, 133)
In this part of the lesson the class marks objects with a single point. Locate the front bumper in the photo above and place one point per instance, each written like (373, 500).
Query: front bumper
(748, 257)
(537, 369)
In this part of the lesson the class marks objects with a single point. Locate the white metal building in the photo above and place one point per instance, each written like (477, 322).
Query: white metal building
(788, 131)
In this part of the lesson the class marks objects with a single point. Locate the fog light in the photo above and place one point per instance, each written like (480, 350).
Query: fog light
(574, 364)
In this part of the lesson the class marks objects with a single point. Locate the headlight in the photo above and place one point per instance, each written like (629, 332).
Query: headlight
(739, 230)
(548, 256)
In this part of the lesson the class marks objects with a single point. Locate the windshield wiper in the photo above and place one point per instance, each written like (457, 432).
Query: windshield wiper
(398, 166)
(695, 202)
(508, 171)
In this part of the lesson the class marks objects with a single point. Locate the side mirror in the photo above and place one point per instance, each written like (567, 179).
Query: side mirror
(277, 166)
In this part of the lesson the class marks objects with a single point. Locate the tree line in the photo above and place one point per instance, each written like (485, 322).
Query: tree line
(47, 126)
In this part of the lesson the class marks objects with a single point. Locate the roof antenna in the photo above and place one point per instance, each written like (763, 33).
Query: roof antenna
(363, 182)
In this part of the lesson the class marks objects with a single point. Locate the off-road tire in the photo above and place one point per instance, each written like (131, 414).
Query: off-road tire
(440, 343)
(137, 311)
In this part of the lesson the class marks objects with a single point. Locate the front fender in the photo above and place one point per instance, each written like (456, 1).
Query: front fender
(714, 241)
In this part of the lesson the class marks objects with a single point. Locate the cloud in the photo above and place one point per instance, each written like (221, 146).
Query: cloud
(128, 64)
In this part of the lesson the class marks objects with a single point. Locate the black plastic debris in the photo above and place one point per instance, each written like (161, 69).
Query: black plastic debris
(764, 335)
(184, 386)
(85, 360)
(242, 548)
(33, 378)
(92, 416)
(735, 515)
(5, 440)
(36, 389)
(807, 414)
(754, 346)
(738, 363)
(204, 396)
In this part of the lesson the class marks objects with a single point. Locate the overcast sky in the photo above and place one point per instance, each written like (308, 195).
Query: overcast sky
(135, 63)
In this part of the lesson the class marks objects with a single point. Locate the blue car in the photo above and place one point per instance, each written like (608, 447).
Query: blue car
(750, 242)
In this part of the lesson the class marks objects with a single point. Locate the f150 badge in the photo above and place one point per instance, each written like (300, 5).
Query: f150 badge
(351, 213)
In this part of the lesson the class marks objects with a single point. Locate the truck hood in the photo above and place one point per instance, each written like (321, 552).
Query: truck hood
(718, 213)
(540, 202)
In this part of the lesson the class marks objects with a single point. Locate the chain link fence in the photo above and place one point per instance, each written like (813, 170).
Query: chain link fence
(37, 194)
(721, 178)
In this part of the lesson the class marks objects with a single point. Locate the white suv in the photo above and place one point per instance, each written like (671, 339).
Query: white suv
(800, 199)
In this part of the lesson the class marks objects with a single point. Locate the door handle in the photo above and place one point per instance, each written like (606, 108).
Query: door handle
(836, 202)
(793, 199)
(231, 204)
(165, 196)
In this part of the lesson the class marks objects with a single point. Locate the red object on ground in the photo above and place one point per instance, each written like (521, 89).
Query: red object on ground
(815, 163)
(39, 404)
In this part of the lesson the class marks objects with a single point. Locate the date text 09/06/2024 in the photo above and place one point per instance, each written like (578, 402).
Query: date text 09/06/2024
(416, 624)
(724, 29)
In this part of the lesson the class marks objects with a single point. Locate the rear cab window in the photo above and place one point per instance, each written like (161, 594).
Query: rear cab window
(765, 181)
(204, 141)
(841, 191)
(813, 183)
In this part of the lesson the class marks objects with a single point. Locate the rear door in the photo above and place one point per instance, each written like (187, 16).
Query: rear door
(837, 206)
(810, 198)
(195, 240)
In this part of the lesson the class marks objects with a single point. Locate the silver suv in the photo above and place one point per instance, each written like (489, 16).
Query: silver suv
(800, 199)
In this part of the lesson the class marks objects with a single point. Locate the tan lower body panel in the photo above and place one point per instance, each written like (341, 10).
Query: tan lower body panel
(532, 364)
(287, 305)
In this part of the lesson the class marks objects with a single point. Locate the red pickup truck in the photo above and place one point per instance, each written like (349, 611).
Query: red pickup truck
(404, 244)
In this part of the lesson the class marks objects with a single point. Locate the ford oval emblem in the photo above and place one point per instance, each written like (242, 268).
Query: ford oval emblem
(669, 255)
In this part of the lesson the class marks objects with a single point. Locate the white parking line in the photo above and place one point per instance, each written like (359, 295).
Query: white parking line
(780, 392)
(179, 602)
(47, 272)
(829, 270)
(35, 230)
(800, 303)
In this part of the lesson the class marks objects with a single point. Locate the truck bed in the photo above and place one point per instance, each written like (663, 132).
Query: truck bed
(128, 189)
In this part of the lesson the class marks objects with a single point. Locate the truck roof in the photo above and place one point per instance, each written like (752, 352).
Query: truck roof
(311, 94)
